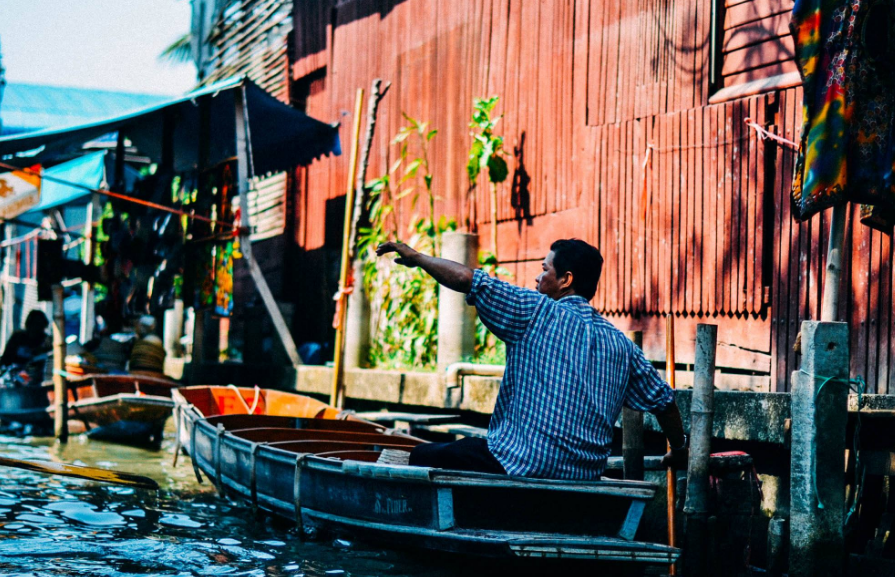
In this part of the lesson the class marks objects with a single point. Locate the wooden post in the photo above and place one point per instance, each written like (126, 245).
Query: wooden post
(242, 177)
(830, 307)
(632, 430)
(670, 476)
(88, 315)
(338, 387)
(701, 420)
(60, 386)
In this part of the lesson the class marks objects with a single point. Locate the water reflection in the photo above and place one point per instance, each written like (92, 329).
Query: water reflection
(60, 526)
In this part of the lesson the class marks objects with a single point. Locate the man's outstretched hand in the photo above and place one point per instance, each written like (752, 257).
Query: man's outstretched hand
(406, 255)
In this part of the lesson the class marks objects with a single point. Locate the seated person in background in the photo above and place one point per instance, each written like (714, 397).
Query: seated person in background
(23, 346)
(148, 354)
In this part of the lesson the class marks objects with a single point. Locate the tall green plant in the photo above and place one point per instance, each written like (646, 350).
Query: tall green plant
(487, 153)
(404, 315)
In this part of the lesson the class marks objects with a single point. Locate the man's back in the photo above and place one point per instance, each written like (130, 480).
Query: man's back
(569, 371)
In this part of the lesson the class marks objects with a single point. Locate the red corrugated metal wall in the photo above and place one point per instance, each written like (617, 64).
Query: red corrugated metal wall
(614, 140)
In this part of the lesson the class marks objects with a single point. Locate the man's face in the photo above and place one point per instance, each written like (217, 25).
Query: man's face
(547, 283)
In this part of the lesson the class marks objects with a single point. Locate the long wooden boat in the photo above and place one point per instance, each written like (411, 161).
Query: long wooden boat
(322, 472)
(129, 408)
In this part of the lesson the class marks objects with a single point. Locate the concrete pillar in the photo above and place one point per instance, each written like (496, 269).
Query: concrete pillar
(456, 320)
(357, 325)
(819, 415)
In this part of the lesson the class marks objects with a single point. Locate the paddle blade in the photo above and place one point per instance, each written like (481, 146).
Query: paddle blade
(79, 472)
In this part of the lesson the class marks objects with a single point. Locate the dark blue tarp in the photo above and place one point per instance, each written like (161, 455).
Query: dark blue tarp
(281, 136)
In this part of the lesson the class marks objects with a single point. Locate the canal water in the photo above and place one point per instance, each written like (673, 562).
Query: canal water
(52, 525)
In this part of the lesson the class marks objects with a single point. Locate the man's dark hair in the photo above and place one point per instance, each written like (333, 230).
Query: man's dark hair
(581, 259)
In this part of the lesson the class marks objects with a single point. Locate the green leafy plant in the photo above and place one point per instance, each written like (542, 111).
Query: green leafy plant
(404, 313)
(486, 153)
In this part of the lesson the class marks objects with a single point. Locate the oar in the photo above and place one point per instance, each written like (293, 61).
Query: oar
(77, 471)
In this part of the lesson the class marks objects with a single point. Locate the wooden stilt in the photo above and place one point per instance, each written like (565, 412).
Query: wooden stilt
(60, 386)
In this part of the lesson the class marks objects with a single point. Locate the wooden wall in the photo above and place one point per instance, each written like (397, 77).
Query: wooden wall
(615, 137)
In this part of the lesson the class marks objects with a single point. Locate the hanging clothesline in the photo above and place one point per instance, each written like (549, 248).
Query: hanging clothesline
(123, 197)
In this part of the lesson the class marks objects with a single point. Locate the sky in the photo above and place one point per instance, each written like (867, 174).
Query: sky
(105, 44)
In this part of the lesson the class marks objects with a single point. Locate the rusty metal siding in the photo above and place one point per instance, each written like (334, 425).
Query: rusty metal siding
(613, 140)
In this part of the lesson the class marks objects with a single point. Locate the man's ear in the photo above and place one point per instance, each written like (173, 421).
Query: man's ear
(566, 280)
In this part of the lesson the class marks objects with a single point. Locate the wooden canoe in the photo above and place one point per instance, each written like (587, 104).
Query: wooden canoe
(321, 472)
(130, 408)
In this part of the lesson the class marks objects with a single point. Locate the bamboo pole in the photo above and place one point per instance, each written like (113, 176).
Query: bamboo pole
(60, 386)
(670, 477)
(338, 387)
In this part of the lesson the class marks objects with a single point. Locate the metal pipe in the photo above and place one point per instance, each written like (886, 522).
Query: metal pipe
(701, 421)
(455, 371)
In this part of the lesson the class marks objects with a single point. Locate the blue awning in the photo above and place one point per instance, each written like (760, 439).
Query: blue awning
(87, 170)
(281, 136)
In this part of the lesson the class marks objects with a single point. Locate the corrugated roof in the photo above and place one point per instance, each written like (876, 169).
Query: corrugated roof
(27, 107)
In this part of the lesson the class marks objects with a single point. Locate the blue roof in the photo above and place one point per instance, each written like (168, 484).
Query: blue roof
(28, 107)
(280, 137)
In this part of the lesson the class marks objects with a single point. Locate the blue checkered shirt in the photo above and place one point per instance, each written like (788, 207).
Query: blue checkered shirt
(568, 374)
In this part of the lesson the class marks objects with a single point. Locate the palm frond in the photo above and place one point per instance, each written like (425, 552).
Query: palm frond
(179, 52)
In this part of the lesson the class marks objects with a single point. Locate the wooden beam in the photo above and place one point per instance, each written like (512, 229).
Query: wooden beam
(242, 172)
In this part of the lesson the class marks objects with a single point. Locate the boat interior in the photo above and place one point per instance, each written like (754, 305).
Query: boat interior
(231, 400)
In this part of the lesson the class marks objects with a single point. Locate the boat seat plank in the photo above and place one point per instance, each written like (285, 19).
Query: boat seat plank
(237, 422)
(413, 418)
(275, 435)
(328, 446)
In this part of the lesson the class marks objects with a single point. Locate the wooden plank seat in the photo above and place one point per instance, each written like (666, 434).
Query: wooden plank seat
(276, 435)
(237, 422)
(325, 446)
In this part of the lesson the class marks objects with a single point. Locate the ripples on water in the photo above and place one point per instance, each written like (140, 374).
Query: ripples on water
(60, 526)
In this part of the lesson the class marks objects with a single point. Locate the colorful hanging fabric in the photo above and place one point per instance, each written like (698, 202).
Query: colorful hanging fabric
(845, 50)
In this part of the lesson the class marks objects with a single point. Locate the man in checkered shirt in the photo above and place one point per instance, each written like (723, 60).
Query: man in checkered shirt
(568, 373)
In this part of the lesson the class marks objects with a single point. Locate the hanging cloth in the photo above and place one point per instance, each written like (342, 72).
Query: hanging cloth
(845, 50)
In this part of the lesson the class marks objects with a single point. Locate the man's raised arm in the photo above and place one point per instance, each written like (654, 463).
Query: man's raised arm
(453, 275)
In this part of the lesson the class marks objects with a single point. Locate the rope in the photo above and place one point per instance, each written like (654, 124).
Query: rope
(859, 386)
(123, 197)
(764, 134)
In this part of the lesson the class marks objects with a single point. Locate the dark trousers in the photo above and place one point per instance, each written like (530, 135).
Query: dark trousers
(467, 454)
